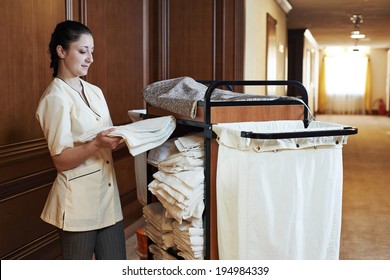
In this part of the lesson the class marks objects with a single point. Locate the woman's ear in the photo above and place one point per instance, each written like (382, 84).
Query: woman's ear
(60, 51)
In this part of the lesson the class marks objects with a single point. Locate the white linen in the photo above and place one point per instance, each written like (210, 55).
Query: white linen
(180, 162)
(162, 152)
(157, 227)
(187, 229)
(140, 162)
(159, 253)
(188, 142)
(154, 212)
(281, 204)
(139, 136)
(179, 186)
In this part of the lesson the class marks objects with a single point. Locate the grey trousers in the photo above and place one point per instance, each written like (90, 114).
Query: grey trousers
(107, 243)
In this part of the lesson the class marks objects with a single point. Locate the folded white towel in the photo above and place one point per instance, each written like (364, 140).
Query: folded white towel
(156, 184)
(188, 240)
(187, 228)
(184, 181)
(155, 213)
(139, 136)
(162, 152)
(173, 182)
(175, 212)
(194, 251)
(190, 141)
(180, 162)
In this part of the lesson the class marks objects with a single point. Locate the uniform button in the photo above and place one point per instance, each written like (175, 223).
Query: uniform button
(109, 184)
(108, 162)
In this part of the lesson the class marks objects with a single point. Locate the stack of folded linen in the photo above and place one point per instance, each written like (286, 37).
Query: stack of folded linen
(179, 182)
(157, 227)
(179, 186)
(160, 254)
(188, 240)
(180, 193)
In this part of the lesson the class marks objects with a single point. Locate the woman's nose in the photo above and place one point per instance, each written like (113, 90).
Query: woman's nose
(90, 58)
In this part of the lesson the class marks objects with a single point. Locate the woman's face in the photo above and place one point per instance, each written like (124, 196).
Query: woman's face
(78, 58)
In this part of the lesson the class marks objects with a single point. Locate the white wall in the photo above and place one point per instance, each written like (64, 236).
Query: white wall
(379, 75)
(388, 81)
(310, 69)
(255, 41)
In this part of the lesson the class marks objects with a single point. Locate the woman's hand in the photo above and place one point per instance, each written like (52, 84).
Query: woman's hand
(73, 157)
(103, 140)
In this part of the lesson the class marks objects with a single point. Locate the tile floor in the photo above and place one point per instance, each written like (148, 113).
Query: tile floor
(131, 239)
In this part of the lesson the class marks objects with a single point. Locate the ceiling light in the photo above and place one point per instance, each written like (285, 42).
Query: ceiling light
(357, 35)
(285, 5)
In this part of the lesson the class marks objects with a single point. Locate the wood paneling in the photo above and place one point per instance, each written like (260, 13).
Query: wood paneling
(190, 42)
(26, 26)
(201, 39)
(26, 170)
(117, 27)
(226, 114)
(20, 220)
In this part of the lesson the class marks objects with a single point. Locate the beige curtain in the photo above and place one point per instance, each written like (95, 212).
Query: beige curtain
(345, 84)
(368, 94)
(322, 88)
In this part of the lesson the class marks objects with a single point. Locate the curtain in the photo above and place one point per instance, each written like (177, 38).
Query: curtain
(368, 95)
(322, 89)
(345, 84)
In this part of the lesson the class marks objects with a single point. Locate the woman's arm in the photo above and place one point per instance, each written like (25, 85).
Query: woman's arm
(73, 157)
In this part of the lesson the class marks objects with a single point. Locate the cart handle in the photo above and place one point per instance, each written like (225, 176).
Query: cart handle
(348, 130)
(228, 84)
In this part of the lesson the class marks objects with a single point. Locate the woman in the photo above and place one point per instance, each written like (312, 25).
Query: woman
(84, 201)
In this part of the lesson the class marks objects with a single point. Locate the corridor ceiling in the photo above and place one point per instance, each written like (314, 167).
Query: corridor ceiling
(330, 24)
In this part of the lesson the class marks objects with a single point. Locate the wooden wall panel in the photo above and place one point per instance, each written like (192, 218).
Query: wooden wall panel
(201, 39)
(26, 26)
(26, 170)
(190, 44)
(118, 65)
(21, 216)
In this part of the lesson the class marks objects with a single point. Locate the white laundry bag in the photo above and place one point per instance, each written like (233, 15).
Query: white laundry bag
(279, 199)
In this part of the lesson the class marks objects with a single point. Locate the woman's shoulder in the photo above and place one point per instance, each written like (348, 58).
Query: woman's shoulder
(54, 89)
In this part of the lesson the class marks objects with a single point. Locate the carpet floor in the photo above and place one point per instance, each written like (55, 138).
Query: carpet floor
(365, 232)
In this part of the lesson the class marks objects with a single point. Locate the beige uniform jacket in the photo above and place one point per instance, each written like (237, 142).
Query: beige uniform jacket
(86, 197)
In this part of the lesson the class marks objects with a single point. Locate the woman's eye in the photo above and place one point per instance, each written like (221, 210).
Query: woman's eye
(83, 52)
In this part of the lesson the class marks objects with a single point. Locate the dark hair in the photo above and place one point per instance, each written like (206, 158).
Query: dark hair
(64, 34)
